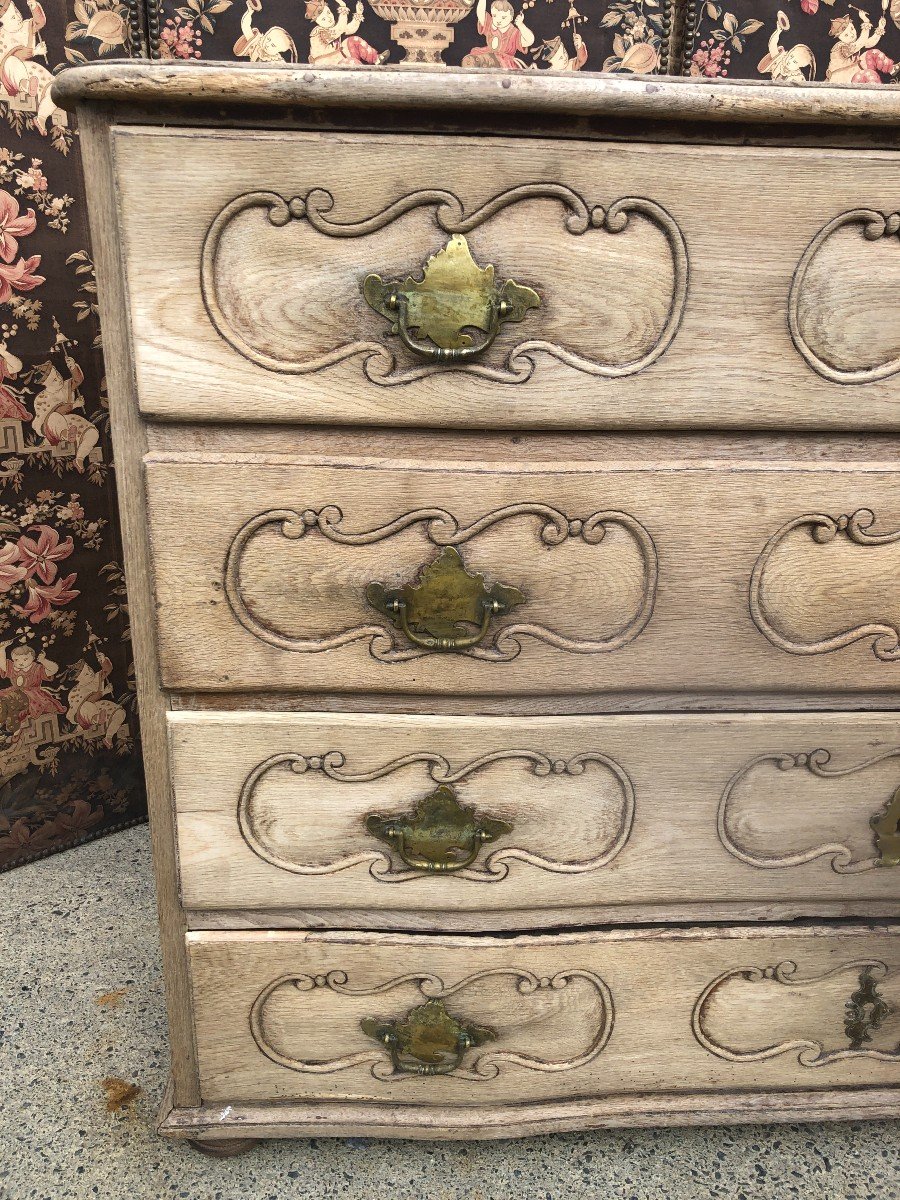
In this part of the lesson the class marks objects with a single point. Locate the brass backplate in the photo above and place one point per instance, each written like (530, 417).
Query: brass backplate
(454, 294)
(439, 834)
(445, 599)
(886, 825)
(429, 1036)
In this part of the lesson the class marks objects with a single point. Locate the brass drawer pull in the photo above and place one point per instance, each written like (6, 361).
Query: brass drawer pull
(437, 611)
(439, 835)
(453, 294)
(428, 1040)
(886, 825)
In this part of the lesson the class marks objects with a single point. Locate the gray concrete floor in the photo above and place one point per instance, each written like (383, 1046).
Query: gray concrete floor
(80, 927)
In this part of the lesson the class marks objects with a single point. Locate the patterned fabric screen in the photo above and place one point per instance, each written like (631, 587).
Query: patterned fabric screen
(830, 41)
(625, 36)
(69, 756)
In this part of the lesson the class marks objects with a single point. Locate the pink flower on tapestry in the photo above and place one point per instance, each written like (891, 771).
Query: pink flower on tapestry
(41, 598)
(33, 178)
(19, 277)
(11, 570)
(41, 556)
(13, 226)
(810, 7)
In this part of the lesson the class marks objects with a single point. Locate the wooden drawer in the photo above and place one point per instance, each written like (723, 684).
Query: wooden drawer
(279, 574)
(347, 820)
(328, 1016)
(644, 318)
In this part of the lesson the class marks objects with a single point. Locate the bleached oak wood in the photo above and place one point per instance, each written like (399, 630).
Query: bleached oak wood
(546, 445)
(365, 1119)
(537, 919)
(248, 598)
(561, 704)
(129, 442)
(575, 1015)
(673, 811)
(765, 598)
(180, 85)
(235, 336)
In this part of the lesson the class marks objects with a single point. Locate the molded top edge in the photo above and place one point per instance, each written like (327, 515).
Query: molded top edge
(586, 94)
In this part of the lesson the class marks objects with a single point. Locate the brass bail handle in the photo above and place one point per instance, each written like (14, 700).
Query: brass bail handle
(454, 294)
(428, 1040)
(439, 610)
(428, 641)
(439, 835)
(440, 864)
(397, 302)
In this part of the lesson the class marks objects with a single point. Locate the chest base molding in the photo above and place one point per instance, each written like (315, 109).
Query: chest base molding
(492, 1122)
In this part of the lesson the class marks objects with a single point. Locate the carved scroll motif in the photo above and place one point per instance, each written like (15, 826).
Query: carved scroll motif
(875, 225)
(824, 529)
(442, 529)
(382, 867)
(450, 216)
(816, 763)
(845, 1040)
(485, 1066)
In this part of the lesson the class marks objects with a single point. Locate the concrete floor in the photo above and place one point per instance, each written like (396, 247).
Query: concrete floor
(81, 1001)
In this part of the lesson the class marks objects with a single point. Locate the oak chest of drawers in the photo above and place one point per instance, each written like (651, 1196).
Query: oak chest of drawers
(508, 470)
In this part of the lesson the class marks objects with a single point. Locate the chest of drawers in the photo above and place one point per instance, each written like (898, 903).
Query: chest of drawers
(508, 470)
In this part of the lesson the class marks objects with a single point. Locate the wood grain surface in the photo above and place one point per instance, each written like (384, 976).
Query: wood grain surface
(717, 577)
(178, 87)
(606, 813)
(130, 443)
(278, 1014)
(644, 321)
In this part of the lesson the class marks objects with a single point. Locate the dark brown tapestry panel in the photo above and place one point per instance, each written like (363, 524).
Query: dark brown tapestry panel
(69, 756)
(626, 36)
(795, 41)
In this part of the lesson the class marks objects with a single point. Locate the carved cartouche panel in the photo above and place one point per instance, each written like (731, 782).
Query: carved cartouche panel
(751, 1014)
(628, 559)
(814, 311)
(822, 583)
(501, 1000)
(598, 818)
(231, 293)
(786, 810)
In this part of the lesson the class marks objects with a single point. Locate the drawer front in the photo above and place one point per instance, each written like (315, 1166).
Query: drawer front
(635, 314)
(457, 1021)
(480, 822)
(291, 574)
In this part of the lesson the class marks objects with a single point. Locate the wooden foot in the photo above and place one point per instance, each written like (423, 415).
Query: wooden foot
(223, 1147)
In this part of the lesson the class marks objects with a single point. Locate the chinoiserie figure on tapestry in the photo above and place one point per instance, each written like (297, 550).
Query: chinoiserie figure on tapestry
(557, 57)
(25, 81)
(787, 64)
(334, 41)
(11, 407)
(55, 418)
(91, 706)
(27, 673)
(505, 34)
(855, 57)
(269, 46)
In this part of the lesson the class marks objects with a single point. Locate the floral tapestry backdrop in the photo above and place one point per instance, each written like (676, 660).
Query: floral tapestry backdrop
(69, 755)
(795, 41)
(561, 35)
